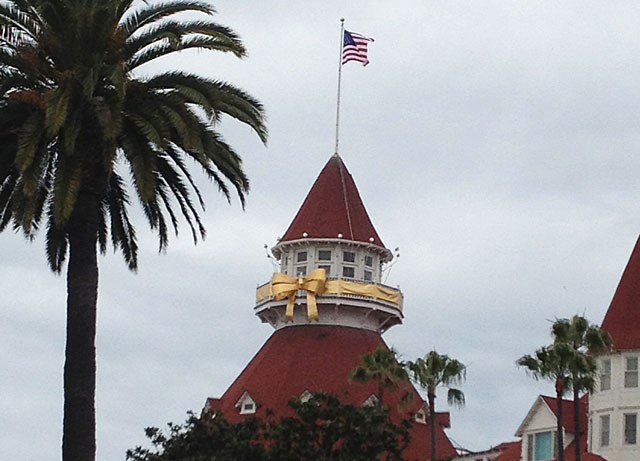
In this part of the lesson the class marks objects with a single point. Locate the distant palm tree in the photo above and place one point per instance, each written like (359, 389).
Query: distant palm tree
(586, 340)
(436, 370)
(552, 363)
(383, 367)
(77, 117)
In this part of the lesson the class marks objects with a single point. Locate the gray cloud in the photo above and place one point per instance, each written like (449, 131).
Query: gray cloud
(494, 142)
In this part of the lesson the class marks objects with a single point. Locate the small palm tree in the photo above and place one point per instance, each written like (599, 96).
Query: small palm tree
(381, 366)
(436, 370)
(552, 363)
(586, 339)
(77, 117)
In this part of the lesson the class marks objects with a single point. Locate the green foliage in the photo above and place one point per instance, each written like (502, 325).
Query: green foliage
(570, 364)
(79, 116)
(383, 367)
(322, 429)
(436, 370)
(585, 340)
(74, 109)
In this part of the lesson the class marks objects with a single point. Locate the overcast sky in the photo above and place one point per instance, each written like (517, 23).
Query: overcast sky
(495, 142)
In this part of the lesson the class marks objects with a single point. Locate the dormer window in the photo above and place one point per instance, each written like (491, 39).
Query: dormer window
(421, 417)
(371, 401)
(324, 255)
(246, 404)
(248, 408)
(542, 446)
(349, 256)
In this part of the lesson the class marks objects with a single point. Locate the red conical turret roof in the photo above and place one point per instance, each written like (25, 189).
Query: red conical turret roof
(623, 317)
(333, 206)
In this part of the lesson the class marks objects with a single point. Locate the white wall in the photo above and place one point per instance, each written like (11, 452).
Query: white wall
(615, 402)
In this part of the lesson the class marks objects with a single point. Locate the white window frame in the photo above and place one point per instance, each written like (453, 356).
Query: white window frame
(531, 445)
(327, 269)
(299, 253)
(368, 258)
(355, 256)
(246, 404)
(631, 374)
(349, 268)
(320, 250)
(301, 271)
(625, 420)
(605, 374)
(602, 432)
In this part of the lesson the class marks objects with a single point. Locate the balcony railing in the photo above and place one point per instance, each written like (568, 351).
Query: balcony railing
(350, 288)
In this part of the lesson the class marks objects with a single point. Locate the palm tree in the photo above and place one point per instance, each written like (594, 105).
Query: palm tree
(552, 363)
(436, 370)
(381, 366)
(76, 114)
(585, 339)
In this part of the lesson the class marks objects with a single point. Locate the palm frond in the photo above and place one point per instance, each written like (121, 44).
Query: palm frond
(137, 18)
(174, 31)
(161, 49)
(22, 19)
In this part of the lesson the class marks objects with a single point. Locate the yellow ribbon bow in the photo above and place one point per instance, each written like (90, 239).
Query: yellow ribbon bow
(285, 286)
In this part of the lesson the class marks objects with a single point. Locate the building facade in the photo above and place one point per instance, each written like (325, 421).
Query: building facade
(328, 307)
(614, 408)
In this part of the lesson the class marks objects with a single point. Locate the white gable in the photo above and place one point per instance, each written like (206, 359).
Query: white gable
(246, 404)
(539, 418)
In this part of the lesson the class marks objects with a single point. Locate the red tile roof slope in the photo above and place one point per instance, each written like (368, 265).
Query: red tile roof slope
(509, 451)
(333, 206)
(320, 357)
(569, 452)
(622, 320)
(513, 451)
(567, 412)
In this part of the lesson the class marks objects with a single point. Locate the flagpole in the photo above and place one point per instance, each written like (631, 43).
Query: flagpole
(339, 81)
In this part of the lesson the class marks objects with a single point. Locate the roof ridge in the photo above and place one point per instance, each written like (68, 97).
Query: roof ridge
(344, 196)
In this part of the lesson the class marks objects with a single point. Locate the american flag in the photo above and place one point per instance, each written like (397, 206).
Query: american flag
(354, 48)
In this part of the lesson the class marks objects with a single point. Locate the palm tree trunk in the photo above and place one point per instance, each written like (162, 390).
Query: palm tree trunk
(576, 419)
(559, 436)
(79, 421)
(431, 397)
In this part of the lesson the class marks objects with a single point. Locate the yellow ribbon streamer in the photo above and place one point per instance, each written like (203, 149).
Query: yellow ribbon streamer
(284, 286)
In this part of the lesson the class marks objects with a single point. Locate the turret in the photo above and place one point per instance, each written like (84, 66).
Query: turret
(333, 232)
(614, 407)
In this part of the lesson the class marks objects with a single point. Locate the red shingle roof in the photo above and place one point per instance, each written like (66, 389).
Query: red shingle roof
(567, 412)
(333, 206)
(623, 317)
(509, 451)
(320, 357)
